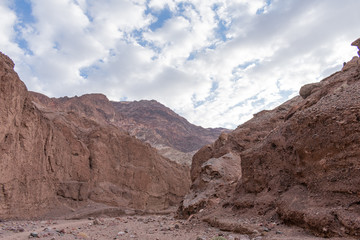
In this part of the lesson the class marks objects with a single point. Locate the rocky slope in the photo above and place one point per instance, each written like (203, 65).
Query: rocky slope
(54, 159)
(158, 124)
(297, 164)
(173, 136)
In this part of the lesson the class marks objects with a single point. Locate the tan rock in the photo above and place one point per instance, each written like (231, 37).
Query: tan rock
(307, 89)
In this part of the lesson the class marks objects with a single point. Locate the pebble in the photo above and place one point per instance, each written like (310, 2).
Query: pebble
(97, 222)
(278, 232)
(83, 235)
(244, 237)
(257, 238)
(34, 235)
(121, 233)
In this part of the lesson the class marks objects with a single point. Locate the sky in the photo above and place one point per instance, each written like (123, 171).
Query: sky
(214, 62)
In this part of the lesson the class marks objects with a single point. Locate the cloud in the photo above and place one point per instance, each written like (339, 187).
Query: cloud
(8, 35)
(215, 62)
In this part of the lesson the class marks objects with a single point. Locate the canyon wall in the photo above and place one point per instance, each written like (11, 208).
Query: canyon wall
(49, 157)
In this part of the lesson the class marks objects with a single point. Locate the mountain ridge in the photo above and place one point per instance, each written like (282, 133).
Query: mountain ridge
(147, 120)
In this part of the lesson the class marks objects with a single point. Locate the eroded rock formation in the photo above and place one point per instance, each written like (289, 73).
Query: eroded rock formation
(300, 164)
(52, 156)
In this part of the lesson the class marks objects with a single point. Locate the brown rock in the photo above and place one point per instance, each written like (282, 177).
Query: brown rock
(207, 189)
(352, 63)
(307, 89)
(74, 190)
(54, 155)
(173, 136)
(299, 161)
(153, 122)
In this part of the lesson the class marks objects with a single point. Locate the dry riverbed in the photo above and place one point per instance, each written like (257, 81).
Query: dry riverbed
(152, 227)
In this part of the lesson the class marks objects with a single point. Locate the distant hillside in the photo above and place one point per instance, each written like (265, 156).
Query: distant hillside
(149, 121)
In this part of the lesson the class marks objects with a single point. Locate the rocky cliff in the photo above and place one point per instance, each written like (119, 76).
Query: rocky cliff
(52, 157)
(296, 164)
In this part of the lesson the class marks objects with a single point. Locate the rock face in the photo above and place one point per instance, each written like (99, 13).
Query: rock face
(300, 162)
(173, 136)
(52, 156)
(155, 123)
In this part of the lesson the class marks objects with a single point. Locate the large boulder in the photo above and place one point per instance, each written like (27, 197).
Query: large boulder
(215, 173)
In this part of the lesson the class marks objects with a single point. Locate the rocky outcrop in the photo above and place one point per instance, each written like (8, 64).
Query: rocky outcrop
(299, 162)
(53, 156)
(308, 89)
(354, 62)
(214, 175)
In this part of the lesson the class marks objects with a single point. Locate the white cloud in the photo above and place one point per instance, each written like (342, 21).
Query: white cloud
(215, 62)
(126, 15)
(8, 20)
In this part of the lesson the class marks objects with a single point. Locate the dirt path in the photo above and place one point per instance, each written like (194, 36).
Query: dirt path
(135, 227)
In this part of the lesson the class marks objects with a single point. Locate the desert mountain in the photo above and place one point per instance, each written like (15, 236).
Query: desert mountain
(297, 164)
(150, 121)
(60, 158)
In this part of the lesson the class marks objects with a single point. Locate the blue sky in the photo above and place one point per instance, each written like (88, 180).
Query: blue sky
(214, 62)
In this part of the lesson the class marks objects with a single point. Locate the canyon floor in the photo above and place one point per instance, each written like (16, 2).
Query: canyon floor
(151, 227)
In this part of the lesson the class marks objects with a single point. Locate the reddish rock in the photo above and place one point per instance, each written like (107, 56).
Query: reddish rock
(173, 136)
(153, 122)
(53, 155)
(299, 161)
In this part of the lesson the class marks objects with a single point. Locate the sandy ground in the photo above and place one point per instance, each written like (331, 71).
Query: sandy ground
(152, 227)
